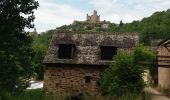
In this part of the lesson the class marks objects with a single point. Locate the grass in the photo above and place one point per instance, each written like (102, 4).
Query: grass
(39, 94)
(145, 96)
(164, 91)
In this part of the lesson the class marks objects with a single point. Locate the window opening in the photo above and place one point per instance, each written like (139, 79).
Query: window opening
(88, 79)
(107, 52)
(65, 51)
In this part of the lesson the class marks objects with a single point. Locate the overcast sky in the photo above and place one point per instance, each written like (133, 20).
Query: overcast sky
(54, 13)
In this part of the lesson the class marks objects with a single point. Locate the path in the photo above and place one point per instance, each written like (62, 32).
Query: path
(156, 95)
(36, 85)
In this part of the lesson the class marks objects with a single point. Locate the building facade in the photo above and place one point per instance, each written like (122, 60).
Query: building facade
(163, 57)
(75, 60)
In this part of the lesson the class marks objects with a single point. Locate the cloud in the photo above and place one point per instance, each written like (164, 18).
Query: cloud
(128, 10)
(54, 13)
(51, 15)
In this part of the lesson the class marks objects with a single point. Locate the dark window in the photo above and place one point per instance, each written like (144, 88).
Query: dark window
(65, 51)
(87, 79)
(107, 52)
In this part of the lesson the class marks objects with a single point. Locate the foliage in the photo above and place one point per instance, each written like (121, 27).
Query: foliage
(163, 90)
(156, 26)
(40, 45)
(125, 74)
(39, 94)
(146, 57)
(122, 77)
(84, 27)
(143, 55)
(144, 96)
(15, 44)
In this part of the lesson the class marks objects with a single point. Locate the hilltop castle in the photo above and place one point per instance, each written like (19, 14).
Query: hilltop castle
(94, 18)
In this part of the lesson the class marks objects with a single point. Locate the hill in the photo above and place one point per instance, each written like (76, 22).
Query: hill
(156, 26)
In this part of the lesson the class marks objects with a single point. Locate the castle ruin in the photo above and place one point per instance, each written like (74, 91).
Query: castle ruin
(93, 18)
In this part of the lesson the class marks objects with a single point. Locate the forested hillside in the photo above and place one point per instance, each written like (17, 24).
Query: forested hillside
(156, 26)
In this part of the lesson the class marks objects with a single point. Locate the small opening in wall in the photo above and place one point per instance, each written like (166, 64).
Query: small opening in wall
(65, 51)
(107, 52)
(88, 79)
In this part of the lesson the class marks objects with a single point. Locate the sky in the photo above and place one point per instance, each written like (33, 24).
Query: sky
(55, 13)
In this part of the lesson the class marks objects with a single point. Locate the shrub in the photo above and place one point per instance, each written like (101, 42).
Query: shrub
(124, 76)
(39, 94)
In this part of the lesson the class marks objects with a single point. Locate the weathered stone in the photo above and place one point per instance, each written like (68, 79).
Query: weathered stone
(71, 76)
(72, 81)
(93, 18)
(86, 53)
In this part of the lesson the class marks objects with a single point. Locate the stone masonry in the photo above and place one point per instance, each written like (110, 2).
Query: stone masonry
(70, 79)
(93, 18)
(75, 60)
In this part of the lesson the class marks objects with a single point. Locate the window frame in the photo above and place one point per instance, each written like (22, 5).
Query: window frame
(87, 78)
(72, 49)
(105, 58)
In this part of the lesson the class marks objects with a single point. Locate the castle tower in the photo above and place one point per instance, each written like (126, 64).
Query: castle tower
(88, 17)
(94, 12)
(93, 18)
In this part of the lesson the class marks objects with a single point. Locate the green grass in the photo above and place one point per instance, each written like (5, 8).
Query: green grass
(145, 96)
(39, 94)
(163, 90)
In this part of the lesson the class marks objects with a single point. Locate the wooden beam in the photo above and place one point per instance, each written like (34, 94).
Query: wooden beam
(164, 66)
(163, 56)
(165, 45)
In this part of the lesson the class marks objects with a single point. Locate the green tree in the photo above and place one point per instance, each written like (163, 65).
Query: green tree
(121, 23)
(40, 46)
(15, 44)
(143, 55)
(125, 74)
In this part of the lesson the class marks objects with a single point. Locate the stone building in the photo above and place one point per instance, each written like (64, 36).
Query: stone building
(93, 18)
(75, 60)
(163, 57)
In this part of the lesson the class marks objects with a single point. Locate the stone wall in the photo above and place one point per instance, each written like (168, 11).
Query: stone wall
(66, 76)
(63, 80)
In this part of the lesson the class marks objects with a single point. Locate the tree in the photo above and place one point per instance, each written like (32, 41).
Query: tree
(121, 23)
(15, 44)
(125, 74)
(40, 46)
